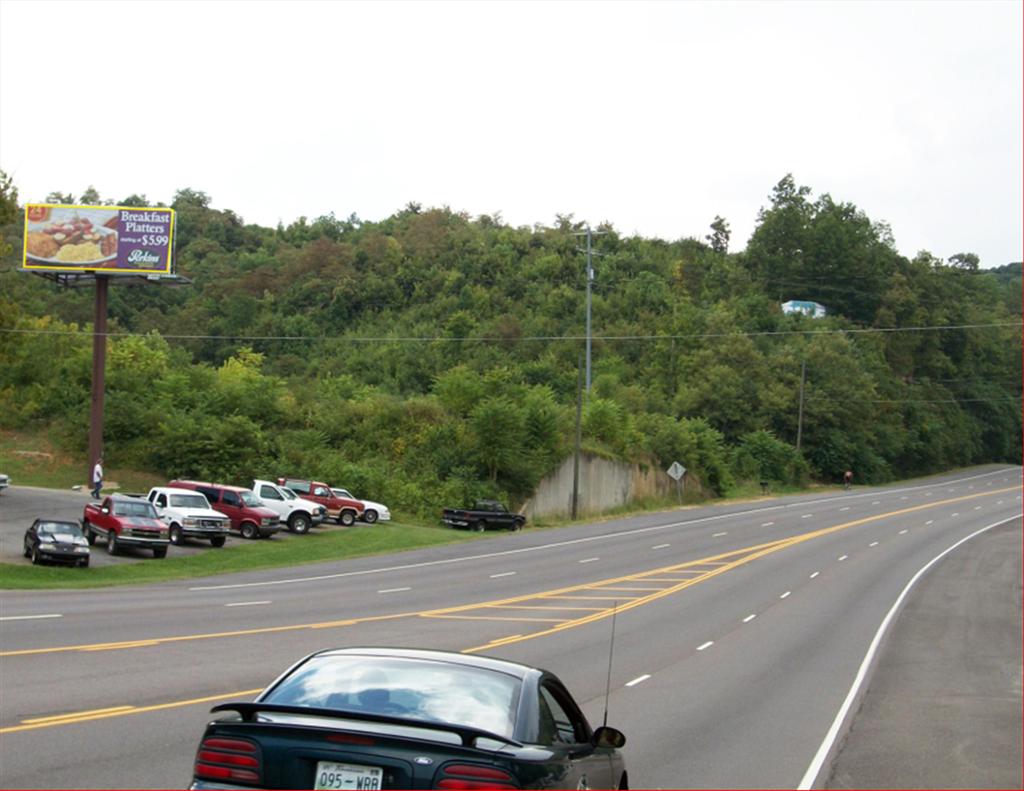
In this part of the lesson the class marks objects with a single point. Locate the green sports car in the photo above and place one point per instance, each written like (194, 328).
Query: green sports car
(376, 718)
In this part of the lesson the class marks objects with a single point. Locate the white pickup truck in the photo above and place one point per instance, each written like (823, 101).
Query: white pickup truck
(298, 514)
(188, 515)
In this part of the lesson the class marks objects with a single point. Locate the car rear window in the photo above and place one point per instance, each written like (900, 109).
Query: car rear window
(414, 688)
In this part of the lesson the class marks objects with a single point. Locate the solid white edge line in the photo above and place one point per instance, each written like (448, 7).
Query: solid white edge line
(833, 732)
(638, 680)
(29, 617)
(568, 542)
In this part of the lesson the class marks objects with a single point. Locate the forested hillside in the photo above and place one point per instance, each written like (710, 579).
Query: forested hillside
(432, 356)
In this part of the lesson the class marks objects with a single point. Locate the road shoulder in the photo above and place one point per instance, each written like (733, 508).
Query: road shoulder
(943, 708)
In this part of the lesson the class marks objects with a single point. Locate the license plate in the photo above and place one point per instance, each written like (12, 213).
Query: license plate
(335, 776)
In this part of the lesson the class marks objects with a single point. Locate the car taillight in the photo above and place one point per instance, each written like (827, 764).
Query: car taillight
(228, 759)
(473, 776)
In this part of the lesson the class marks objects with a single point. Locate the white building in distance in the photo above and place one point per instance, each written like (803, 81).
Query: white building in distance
(812, 309)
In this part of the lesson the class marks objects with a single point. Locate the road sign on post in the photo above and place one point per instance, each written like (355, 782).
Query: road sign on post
(676, 473)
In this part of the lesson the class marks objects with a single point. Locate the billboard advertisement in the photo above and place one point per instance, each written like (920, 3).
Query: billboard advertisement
(107, 239)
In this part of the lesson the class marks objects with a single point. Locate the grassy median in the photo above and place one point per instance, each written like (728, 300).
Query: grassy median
(319, 545)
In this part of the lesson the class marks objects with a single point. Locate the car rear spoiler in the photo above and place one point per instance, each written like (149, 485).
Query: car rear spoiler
(468, 734)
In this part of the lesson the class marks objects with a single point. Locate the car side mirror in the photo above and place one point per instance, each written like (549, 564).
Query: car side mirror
(609, 737)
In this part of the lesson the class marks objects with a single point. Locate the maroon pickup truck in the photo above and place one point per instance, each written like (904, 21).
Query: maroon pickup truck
(343, 509)
(126, 522)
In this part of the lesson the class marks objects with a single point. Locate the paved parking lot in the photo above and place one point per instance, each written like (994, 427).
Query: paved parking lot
(20, 505)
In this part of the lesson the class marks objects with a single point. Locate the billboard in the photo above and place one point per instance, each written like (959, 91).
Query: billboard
(108, 239)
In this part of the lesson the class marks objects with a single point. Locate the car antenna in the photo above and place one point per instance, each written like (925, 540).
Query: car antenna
(611, 649)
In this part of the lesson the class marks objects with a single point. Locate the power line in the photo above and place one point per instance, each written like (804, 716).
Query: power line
(530, 338)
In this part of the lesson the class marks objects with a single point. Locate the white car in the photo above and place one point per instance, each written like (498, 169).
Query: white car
(5, 481)
(188, 515)
(374, 511)
(298, 514)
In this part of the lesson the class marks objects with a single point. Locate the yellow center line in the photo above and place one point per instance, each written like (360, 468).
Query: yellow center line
(497, 618)
(100, 714)
(721, 565)
(536, 607)
(53, 717)
(629, 589)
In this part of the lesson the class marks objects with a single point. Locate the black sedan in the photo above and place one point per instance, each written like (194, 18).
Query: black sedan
(375, 718)
(58, 541)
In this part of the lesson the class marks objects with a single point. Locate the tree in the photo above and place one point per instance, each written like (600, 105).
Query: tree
(969, 262)
(719, 236)
(91, 197)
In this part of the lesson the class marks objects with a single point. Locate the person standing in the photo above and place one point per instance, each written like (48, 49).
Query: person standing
(848, 479)
(97, 478)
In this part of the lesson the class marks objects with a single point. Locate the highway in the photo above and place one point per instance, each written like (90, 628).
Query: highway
(744, 634)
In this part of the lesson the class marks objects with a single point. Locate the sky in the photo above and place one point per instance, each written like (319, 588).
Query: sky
(652, 116)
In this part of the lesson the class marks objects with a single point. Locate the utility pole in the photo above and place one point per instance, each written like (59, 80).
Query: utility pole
(800, 415)
(576, 450)
(590, 279)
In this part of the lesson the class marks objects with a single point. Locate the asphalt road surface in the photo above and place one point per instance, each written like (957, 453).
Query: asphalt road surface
(747, 638)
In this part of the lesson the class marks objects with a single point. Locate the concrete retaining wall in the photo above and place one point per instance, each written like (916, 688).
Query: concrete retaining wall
(604, 485)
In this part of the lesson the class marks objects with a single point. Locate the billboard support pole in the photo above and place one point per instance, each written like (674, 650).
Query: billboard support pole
(99, 366)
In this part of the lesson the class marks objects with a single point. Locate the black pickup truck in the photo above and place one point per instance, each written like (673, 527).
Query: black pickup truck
(485, 514)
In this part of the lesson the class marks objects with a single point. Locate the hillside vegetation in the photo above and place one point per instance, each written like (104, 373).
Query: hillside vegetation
(432, 357)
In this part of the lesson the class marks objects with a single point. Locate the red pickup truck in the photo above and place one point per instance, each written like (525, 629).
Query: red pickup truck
(343, 509)
(126, 522)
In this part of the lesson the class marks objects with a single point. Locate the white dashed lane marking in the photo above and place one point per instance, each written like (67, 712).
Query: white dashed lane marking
(246, 603)
(873, 544)
(769, 524)
(718, 535)
(749, 618)
(589, 560)
(706, 645)
(30, 617)
(661, 546)
(784, 595)
(638, 680)
(502, 574)
(815, 574)
(394, 590)
(843, 557)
